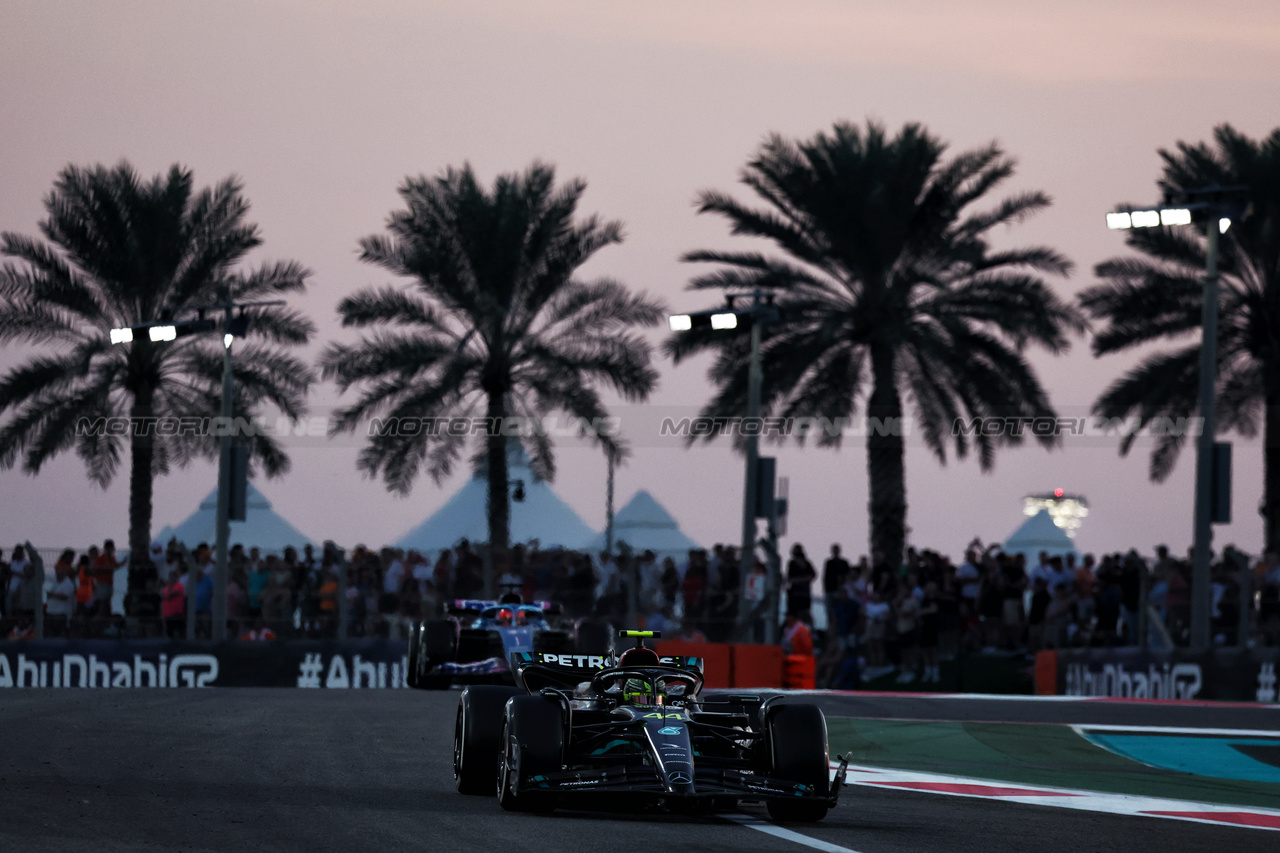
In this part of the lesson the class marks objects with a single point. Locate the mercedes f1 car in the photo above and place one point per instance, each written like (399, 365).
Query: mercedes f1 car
(577, 730)
(475, 642)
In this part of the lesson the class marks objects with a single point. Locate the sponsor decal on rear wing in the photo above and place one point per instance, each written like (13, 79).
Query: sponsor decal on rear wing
(594, 662)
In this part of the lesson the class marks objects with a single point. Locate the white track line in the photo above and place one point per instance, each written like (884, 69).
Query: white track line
(785, 834)
(1173, 730)
(1047, 795)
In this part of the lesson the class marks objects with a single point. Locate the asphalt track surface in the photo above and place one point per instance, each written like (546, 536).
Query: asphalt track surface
(256, 770)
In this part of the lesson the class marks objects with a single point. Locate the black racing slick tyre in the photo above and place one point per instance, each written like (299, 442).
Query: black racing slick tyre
(532, 744)
(555, 642)
(413, 667)
(798, 743)
(436, 645)
(477, 737)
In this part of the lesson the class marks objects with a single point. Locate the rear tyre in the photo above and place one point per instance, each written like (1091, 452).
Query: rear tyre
(532, 744)
(436, 644)
(554, 642)
(411, 676)
(798, 743)
(477, 737)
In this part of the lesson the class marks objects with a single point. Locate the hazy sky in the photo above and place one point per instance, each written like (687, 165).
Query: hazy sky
(324, 107)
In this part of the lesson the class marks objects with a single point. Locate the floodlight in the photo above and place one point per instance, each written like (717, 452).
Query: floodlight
(163, 333)
(1223, 224)
(1117, 221)
(1145, 218)
(680, 322)
(1175, 216)
(122, 336)
(227, 339)
(724, 321)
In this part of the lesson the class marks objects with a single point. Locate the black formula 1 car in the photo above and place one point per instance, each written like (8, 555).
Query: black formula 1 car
(580, 730)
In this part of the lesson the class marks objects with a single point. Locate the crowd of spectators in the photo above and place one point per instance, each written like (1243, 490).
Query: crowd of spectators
(883, 618)
(875, 617)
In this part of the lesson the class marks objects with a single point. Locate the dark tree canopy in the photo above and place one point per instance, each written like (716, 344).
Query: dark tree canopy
(1156, 295)
(118, 250)
(888, 286)
(495, 323)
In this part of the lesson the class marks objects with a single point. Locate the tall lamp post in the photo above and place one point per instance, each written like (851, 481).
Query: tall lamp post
(1214, 207)
(759, 312)
(234, 324)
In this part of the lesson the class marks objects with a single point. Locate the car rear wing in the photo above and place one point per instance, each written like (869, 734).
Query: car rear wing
(567, 670)
(479, 605)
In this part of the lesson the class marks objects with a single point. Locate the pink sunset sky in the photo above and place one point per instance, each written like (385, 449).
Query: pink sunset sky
(323, 107)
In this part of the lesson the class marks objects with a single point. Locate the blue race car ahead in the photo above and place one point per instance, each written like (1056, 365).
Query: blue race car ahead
(474, 644)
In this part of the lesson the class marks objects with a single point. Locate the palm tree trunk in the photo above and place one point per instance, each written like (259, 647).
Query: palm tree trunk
(1271, 475)
(499, 507)
(885, 469)
(140, 475)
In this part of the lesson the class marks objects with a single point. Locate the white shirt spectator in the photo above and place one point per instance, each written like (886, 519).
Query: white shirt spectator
(968, 577)
(65, 605)
(17, 567)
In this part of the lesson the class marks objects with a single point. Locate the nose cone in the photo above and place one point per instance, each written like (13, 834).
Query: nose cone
(673, 752)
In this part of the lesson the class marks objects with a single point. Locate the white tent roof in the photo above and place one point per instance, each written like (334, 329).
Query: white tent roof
(541, 515)
(1039, 533)
(263, 527)
(645, 525)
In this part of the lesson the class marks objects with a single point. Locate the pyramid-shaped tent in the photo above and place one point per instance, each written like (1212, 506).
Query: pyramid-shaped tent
(645, 525)
(541, 515)
(263, 527)
(1039, 533)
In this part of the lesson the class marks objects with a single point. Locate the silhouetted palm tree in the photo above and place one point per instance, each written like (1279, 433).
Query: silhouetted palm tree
(1158, 296)
(118, 251)
(885, 274)
(495, 324)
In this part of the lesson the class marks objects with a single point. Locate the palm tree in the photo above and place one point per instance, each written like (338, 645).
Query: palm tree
(884, 274)
(119, 251)
(495, 323)
(1158, 296)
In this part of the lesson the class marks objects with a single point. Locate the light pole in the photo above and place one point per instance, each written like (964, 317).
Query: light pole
(757, 314)
(233, 325)
(1215, 208)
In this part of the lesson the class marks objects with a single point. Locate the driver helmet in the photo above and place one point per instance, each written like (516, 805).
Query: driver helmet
(505, 616)
(522, 617)
(637, 691)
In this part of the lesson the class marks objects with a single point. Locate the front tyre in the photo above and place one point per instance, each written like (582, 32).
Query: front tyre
(532, 745)
(798, 744)
(477, 737)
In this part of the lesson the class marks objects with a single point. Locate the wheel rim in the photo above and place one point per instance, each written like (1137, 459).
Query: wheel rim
(504, 766)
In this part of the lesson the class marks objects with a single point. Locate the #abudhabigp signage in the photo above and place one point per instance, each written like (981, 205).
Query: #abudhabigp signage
(348, 664)
(1224, 675)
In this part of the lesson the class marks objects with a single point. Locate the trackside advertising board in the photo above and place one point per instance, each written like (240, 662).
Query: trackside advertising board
(117, 664)
(1236, 675)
